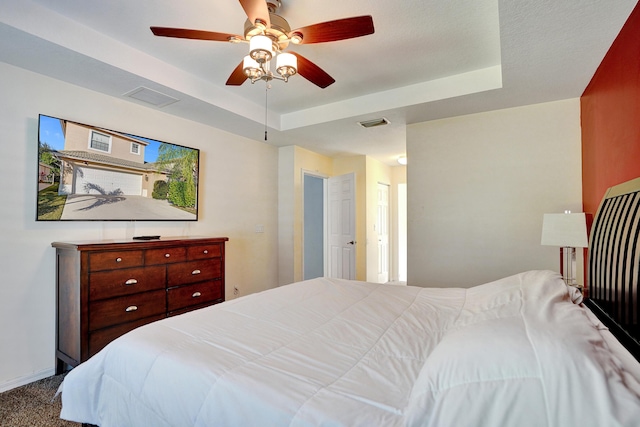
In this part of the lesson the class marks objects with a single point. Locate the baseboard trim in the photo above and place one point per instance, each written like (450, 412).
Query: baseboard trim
(20, 381)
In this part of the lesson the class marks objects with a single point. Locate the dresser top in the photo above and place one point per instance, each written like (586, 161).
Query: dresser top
(137, 244)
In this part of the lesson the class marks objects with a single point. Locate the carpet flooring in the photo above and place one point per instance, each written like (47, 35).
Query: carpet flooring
(33, 405)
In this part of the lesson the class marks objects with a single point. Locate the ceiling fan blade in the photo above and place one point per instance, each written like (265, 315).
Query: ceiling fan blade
(237, 77)
(312, 72)
(339, 29)
(256, 10)
(182, 33)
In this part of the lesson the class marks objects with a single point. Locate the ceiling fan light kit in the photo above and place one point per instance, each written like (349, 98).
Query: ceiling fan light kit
(269, 34)
(257, 65)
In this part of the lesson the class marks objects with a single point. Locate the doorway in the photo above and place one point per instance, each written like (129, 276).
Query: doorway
(329, 246)
(314, 214)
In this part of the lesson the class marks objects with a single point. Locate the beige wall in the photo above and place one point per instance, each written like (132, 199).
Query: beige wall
(478, 186)
(238, 191)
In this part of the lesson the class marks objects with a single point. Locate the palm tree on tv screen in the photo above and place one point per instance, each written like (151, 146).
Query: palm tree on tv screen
(182, 165)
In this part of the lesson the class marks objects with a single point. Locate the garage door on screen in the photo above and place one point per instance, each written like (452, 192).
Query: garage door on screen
(101, 181)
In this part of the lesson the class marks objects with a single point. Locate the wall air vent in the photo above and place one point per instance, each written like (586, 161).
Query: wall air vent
(150, 96)
(373, 123)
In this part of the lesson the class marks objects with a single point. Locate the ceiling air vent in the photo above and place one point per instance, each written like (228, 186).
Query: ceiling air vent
(373, 123)
(150, 96)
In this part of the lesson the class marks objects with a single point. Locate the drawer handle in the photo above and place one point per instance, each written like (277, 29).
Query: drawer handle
(167, 255)
(194, 272)
(196, 295)
(118, 259)
(131, 308)
(205, 251)
(131, 282)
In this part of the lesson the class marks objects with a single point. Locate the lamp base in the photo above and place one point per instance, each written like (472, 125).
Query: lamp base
(568, 266)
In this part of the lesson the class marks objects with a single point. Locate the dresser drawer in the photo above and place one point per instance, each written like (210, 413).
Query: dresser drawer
(108, 284)
(165, 255)
(100, 338)
(195, 294)
(193, 271)
(116, 259)
(212, 250)
(126, 309)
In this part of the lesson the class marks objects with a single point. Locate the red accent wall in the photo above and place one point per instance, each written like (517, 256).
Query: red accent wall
(610, 117)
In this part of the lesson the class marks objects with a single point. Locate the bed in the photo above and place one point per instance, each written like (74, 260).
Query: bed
(521, 351)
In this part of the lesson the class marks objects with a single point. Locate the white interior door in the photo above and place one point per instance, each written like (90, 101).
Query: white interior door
(382, 229)
(342, 220)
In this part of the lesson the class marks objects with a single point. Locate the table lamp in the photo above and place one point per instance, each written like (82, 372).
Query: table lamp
(568, 231)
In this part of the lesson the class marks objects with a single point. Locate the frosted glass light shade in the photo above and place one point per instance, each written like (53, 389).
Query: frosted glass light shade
(286, 64)
(565, 230)
(260, 48)
(251, 68)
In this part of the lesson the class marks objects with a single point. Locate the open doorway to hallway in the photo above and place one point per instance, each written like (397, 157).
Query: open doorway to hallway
(314, 207)
(329, 242)
(322, 256)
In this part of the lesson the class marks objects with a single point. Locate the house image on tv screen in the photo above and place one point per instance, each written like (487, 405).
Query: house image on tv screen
(98, 161)
(101, 174)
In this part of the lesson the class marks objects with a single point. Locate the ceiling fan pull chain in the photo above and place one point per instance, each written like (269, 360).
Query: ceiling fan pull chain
(266, 91)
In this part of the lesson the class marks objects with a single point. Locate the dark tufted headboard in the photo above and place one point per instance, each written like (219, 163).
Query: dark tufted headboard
(614, 264)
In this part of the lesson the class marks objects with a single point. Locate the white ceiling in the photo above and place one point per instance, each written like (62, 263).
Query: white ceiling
(427, 59)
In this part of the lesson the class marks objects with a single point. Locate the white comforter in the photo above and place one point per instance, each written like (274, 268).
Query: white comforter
(326, 352)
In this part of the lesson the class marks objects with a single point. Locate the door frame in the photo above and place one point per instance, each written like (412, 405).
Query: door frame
(386, 257)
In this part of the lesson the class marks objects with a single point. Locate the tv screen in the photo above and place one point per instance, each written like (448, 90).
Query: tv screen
(88, 173)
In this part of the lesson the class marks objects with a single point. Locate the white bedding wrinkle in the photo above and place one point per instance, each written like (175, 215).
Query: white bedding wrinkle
(330, 352)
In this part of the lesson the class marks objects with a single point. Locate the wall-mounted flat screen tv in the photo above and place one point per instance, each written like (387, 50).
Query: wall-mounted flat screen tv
(89, 173)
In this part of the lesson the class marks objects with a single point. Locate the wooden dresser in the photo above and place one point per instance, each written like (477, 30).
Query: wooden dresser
(107, 288)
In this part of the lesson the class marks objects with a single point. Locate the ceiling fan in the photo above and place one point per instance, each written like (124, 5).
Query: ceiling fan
(269, 35)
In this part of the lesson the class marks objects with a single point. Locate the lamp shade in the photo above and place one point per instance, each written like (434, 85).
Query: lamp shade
(287, 64)
(251, 68)
(261, 48)
(565, 230)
